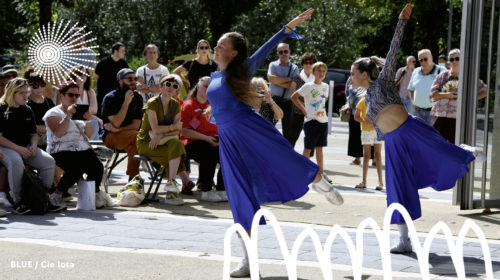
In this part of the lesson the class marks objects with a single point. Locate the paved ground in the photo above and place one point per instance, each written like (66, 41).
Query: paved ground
(157, 241)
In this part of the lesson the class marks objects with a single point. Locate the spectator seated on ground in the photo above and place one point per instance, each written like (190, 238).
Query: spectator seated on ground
(18, 141)
(162, 120)
(122, 114)
(68, 144)
(201, 141)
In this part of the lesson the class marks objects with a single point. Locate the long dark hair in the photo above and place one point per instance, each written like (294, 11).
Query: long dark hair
(237, 76)
(371, 65)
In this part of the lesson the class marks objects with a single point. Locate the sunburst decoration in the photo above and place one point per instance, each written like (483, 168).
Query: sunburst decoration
(57, 48)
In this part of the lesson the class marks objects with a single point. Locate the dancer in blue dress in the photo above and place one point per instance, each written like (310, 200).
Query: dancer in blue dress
(417, 156)
(258, 164)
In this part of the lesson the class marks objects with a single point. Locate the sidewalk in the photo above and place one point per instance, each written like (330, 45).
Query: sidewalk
(159, 241)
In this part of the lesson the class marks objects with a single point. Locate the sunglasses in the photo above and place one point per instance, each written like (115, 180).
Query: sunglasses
(454, 59)
(308, 62)
(204, 47)
(71, 95)
(283, 52)
(169, 84)
(37, 85)
(414, 62)
(130, 79)
(423, 59)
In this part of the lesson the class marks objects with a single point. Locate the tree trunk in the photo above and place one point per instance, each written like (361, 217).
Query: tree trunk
(45, 7)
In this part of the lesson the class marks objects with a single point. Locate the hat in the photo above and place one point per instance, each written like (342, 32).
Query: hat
(9, 68)
(124, 72)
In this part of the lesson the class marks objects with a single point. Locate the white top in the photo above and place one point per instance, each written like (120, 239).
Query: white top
(85, 100)
(72, 140)
(315, 101)
(152, 78)
(305, 78)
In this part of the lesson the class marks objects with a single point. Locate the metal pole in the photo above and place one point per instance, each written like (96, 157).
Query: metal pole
(487, 106)
(330, 105)
(450, 25)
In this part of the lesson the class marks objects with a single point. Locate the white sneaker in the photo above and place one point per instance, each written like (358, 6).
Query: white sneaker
(222, 195)
(334, 197)
(173, 199)
(56, 200)
(3, 213)
(242, 270)
(476, 151)
(99, 201)
(210, 196)
(108, 200)
(171, 186)
(322, 186)
(4, 201)
(403, 247)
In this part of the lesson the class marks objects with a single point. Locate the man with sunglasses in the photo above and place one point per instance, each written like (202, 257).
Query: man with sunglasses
(403, 76)
(280, 75)
(420, 85)
(122, 115)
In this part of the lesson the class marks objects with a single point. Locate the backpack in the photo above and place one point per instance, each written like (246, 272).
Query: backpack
(33, 193)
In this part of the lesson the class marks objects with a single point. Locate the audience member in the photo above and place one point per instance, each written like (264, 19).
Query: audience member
(199, 67)
(420, 85)
(122, 114)
(280, 75)
(18, 141)
(266, 105)
(38, 103)
(403, 76)
(162, 120)
(201, 141)
(68, 145)
(148, 76)
(106, 71)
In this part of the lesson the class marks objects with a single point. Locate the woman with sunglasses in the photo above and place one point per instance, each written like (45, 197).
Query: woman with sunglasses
(38, 103)
(444, 91)
(68, 144)
(416, 154)
(162, 119)
(258, 164)
(19, 139)
(199, 67)
(83, 78)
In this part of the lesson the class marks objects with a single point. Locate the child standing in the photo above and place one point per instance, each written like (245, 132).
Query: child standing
(314, 108)
(368, 138)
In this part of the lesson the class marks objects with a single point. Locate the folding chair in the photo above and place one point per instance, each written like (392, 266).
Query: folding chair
(156, 173)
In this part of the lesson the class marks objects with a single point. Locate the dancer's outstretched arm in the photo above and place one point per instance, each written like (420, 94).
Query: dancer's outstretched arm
(389, 71)
(256, 60)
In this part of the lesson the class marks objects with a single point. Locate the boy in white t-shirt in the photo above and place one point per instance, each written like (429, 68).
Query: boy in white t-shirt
(149, 75)
(314, 108)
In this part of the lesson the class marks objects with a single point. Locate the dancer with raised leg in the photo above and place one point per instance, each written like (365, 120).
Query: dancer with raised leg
(416, 154)
(258, 164)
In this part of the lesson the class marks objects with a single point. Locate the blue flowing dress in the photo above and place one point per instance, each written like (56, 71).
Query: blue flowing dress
(258, 164)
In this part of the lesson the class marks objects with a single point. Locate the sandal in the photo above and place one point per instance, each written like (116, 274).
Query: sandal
(355, 162)
(379, 187)
(361, 185)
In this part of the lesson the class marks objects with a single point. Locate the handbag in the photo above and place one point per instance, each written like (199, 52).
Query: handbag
(86, 195)
(33, 192)
(133, 192)
(345, 113)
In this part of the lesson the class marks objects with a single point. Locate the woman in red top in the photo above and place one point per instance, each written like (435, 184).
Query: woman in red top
(201, 141)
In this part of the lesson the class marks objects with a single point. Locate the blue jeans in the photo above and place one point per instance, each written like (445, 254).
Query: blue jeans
(407, 103)
(425, 115)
